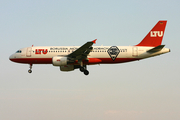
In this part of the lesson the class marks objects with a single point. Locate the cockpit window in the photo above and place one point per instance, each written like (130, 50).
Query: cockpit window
(19, 51)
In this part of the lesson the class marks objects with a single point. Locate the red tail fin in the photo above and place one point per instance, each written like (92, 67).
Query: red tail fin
(155, 36)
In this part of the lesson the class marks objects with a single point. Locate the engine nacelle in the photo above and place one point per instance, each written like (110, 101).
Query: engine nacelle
(67, 68)
(59, 61)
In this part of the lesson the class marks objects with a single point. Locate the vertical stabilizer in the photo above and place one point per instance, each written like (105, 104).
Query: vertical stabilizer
(155, 36)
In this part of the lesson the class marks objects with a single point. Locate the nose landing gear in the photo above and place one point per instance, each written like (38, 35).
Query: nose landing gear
(30, 71)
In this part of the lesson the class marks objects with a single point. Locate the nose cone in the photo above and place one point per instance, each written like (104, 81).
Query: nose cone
(11, 57)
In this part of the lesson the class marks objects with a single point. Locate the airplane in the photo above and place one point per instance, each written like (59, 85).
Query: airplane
(69, 58)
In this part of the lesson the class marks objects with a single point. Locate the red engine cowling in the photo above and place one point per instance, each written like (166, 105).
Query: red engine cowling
(59, 61)
(67, 68)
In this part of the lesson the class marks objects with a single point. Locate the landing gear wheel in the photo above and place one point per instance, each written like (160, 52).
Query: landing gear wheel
(86, 72)
(29, 71)
(81, 69)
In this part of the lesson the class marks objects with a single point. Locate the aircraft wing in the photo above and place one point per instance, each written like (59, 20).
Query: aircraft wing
(82, 52)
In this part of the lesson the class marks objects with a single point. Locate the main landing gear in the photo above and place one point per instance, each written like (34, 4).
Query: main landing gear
(30, 71)
(83, 69)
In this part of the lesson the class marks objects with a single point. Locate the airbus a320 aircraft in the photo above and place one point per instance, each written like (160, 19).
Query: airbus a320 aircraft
(69, 58)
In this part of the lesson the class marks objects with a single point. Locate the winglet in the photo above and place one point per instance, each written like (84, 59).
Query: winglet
(94, 41)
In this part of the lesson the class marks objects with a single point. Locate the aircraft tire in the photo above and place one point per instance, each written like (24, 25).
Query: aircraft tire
(82, 69)
(29, 71)
(86, 72)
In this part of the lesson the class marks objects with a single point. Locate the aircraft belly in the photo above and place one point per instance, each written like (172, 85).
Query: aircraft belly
(117, 60)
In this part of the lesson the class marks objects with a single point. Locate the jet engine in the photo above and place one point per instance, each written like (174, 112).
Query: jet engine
(59, 61)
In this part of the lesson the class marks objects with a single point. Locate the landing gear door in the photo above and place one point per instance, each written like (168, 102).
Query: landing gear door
(135, 51)
(28, 52)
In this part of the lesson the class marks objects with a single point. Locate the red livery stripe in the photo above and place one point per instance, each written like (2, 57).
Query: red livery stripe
(91, 60)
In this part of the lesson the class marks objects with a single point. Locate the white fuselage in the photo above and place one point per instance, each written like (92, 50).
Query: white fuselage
(99, 54)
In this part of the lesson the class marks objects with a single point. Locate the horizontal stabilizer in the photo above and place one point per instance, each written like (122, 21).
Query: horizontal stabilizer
(156, 49)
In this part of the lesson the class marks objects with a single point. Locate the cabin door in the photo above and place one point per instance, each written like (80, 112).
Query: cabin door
(28, 52)
(135, 51)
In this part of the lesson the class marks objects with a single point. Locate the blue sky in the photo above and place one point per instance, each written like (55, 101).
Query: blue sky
(147, 89)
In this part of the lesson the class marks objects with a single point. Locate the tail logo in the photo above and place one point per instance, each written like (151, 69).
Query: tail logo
(156, 33)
